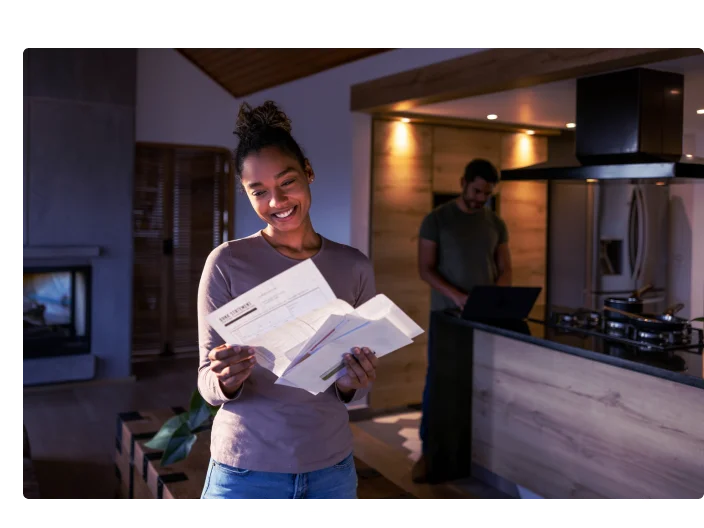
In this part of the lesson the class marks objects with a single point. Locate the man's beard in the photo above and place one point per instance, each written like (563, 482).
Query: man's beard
(472, 205)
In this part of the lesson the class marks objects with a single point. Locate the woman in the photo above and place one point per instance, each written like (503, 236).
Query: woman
(274, 441)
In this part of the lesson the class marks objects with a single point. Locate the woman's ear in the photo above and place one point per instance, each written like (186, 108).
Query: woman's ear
(308, 170)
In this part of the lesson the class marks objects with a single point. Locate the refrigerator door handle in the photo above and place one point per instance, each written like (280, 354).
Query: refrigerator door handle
(633, 222)
(643, 232)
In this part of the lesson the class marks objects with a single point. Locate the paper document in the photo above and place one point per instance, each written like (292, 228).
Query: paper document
(301, 330)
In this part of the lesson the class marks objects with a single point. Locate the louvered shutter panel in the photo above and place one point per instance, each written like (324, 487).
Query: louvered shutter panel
(196, 219)
(148, 232)
(199, 189)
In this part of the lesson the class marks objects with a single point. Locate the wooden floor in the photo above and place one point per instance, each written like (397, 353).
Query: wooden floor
(390, 444)
(72, 428)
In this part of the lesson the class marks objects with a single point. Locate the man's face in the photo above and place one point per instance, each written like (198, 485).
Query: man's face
(476, 193)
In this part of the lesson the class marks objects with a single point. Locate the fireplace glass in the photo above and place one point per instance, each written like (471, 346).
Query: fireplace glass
(56, 311)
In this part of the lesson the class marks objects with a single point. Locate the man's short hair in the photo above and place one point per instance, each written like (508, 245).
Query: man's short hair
(481, 168)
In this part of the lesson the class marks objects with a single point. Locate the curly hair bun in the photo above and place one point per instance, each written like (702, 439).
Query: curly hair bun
(253, 121)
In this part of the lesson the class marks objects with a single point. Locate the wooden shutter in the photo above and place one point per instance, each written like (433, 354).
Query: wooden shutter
(182, 210)
(200, 188)
(149, 232)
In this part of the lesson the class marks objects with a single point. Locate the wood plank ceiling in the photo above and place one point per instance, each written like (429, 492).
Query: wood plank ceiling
(246, 71)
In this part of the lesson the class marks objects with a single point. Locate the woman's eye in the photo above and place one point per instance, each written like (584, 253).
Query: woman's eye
(289, 182)
(257, 193)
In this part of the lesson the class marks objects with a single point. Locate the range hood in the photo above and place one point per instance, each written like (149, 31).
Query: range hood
(629, 126)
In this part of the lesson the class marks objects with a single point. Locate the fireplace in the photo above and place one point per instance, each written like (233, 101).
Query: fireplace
(56, 311)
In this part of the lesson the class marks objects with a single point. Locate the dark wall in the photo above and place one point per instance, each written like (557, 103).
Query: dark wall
(79, 156)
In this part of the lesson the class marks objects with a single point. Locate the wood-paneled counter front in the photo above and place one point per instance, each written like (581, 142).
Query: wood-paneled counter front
(563, 418)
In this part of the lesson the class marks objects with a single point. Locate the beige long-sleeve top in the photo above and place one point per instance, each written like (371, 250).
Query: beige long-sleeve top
(268, 427)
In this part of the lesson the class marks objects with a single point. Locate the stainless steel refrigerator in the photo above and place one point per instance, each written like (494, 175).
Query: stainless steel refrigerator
(607, 239)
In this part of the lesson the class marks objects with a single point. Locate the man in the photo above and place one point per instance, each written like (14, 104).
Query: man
(462, 244)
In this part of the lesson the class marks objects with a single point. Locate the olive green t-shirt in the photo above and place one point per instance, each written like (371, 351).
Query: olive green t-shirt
(466, 243)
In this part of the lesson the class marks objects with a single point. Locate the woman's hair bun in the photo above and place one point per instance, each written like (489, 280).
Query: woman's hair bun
(252, 121)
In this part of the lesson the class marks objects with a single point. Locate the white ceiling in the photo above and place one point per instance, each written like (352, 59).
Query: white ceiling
(553, 104)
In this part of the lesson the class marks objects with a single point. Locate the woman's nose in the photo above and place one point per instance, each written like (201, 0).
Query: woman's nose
(277, 197)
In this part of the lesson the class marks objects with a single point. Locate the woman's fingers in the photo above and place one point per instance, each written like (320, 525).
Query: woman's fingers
(234, 381)
(224, 355)
(235, 368)
(367, 361)
(355, 370)
(233, 375)
(371, 356)
(232, 364)
(218, 366)
(226, 352)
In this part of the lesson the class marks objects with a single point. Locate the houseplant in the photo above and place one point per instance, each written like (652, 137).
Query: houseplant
(178, 434)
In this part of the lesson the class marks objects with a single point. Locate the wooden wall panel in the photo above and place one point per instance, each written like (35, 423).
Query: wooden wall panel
(522, 150)
(410, 162)
(567, 427)
(453, 148)
(523, 206)
(401, 197)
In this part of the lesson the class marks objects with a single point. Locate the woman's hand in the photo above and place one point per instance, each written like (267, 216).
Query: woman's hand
(361, 370)
(231, 366)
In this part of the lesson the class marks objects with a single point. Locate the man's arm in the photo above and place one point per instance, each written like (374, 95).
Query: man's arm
(427, 268)
(502, 257)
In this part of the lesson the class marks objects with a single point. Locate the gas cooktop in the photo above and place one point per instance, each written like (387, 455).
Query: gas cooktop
(597, 324)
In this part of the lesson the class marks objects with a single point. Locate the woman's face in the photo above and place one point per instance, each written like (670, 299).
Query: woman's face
(278, 188)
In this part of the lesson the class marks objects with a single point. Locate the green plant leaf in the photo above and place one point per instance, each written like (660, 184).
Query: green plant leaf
(699, 319)
(199, 411)
(179, 445)
(162, 438)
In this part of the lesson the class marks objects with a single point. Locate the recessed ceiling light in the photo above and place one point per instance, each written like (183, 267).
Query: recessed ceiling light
(688, 155)
(492, 116)
(530, 132)
(700, 111)
(591, 180)
(405, 120)
(570, 125)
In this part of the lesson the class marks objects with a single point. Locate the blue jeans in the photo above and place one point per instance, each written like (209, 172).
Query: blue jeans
(335, 482)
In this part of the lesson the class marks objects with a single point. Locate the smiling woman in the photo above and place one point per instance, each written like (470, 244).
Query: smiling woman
(276, 177)
(267, 440)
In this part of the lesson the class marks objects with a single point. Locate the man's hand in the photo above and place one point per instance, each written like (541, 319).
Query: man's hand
(460, 299)
(503, 265)
(361, 371)
(231, 366)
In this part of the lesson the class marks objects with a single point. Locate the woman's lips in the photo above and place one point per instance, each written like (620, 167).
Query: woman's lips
(288, 212)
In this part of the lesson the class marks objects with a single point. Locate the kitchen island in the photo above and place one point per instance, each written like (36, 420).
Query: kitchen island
(563, 415)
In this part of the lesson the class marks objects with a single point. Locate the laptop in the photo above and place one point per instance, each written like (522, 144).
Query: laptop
(500, 302)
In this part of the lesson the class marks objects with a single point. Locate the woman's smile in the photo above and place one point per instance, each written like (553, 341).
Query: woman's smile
(285, 215)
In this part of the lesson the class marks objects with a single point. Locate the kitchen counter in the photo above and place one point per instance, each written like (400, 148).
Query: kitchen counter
(561, 415)
(682, 366)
